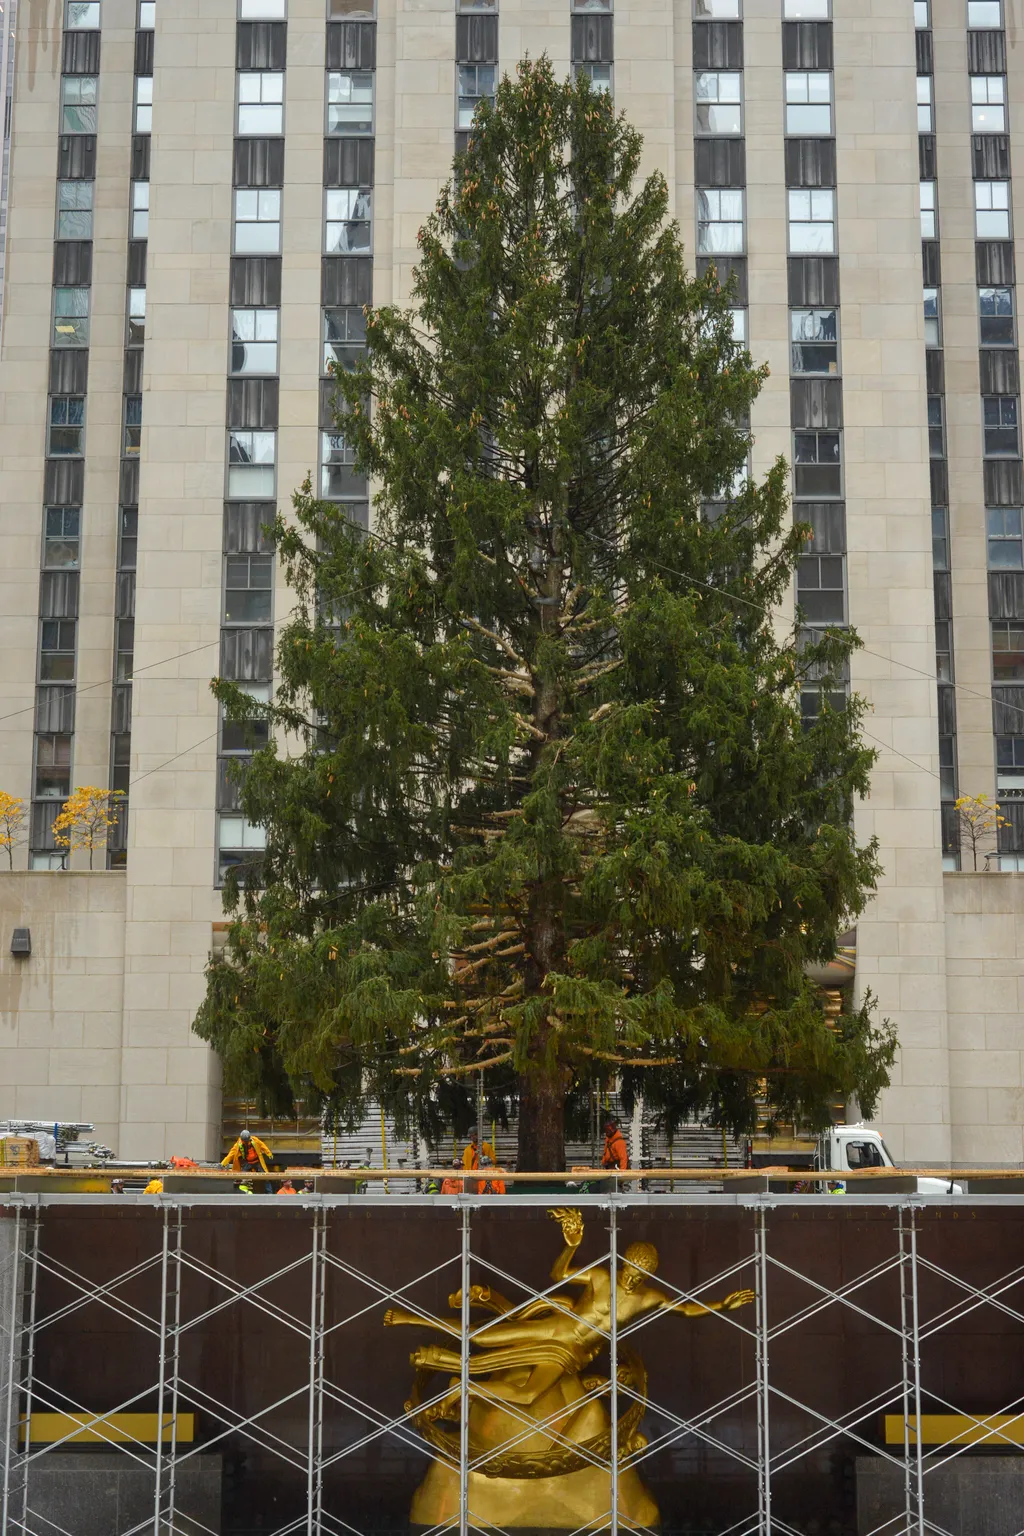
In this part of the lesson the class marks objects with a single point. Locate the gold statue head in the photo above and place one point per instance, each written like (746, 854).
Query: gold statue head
(639, 1259)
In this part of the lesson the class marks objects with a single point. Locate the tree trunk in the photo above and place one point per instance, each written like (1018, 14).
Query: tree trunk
(541, 1120)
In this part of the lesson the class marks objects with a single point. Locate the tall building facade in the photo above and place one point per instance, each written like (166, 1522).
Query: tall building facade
(203, 196)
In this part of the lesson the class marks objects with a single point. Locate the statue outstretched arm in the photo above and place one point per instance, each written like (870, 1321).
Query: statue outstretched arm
(571, 1223)
(702, 1309)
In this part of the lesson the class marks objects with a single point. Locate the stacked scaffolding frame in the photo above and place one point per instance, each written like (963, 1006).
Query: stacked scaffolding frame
(925, 1282)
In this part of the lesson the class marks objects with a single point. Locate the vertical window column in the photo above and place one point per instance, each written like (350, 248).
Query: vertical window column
(347, 279)
(592, 42)
(131, 433)
(816, 391)
(476, 62)
(720, 162)
(64, 476)
(999, 370)
(253, 401)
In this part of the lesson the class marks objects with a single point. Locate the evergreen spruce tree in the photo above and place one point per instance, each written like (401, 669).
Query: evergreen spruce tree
(543, 805)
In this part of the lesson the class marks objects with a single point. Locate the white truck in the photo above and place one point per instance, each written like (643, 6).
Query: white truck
(843, 1149)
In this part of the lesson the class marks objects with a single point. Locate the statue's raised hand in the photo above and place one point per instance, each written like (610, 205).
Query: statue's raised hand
(571, 1223)
(738, 1299)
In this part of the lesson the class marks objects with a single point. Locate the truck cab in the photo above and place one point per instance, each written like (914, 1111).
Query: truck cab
(849, 1148)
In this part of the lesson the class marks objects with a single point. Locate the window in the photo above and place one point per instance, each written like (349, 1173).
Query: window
(739, 326)
(263, 10)
(925, 117)
(344, 338)
(261, 102)
(79, 95)
(132, 425)
(144, 104)
(71, 317)
(929, 223)
(809, 102)
(350, 101)
(718, 99)
(254, 340)
(717, 10)
(1002, 437)
(57, 651)
(248, 588)
(995, 307)
(140, 210)
(988, 103)
(257, 222)
(84, 14)
(1005, 544)
(237, 841)
(251, 735)
(936, 437)
(577, 6)
(338, 477)
(1010, 765)
(124, 650)
(342, 10)
(814, 334)
(943, 651)
(947, 768)
(940, 539)
(53, 768)
(816, 457)
(991, 210)
(599, 75)
(932, 334)
(128, 550)
(921, 17)
(819, 589)
(136, 316)
(984, 13)
(475, 82)
(121, 762)
(812, 222)
(67, 426)
(1008, 650)
(806, 10)
(74, 210)
(719, 221)
(251, 460)
(349, 211)
(60, 538)
(147, 15)
(812, 698)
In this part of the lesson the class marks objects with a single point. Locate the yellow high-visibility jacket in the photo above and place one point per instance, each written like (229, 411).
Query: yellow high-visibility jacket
(241, 1163)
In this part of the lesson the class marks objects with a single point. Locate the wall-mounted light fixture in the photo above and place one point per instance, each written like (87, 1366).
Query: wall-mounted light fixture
(21, 943)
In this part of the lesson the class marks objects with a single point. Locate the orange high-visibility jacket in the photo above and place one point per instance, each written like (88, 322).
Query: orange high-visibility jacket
(616, 1153)
(241, 1162)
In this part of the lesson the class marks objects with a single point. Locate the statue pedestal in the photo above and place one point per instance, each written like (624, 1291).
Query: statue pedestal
(577, 1501)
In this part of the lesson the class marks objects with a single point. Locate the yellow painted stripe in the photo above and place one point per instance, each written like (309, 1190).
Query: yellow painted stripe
(115, 1429)
(957, 1429)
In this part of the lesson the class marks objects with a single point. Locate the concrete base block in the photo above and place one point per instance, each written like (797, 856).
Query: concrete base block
(87, 1493)
(976, 1494)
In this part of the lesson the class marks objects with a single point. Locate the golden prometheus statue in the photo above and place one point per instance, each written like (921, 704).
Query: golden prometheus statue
(539, 1426)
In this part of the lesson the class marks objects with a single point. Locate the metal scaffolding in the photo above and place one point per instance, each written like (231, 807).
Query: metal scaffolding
(907, 1300)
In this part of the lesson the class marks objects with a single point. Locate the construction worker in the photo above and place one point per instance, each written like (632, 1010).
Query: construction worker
(471, 1154)
(616, 1153)
(286, 1187)
(249, 1154)
(243, 1187)
(493, 1184)
(154, 1187)
(452, 1185)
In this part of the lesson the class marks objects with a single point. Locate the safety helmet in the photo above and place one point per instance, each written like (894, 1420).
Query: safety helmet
(246, 1136)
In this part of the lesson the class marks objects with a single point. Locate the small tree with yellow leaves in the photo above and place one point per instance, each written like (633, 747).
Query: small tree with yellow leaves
(86, 818)
(12, 823)
(977, 820)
